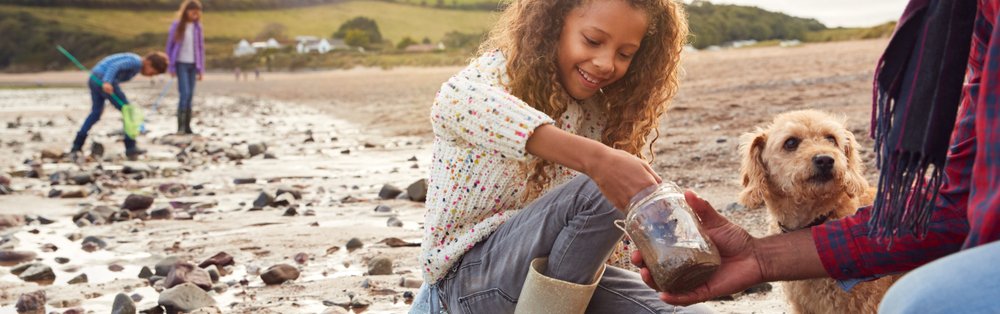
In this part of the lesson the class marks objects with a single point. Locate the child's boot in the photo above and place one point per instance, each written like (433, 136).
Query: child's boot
(180, 121)
(187, 121)
(543, 294)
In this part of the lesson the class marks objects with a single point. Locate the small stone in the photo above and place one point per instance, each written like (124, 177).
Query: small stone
(417, 191)
(61, 260)
(408, 297)
(296, 193)
(100, 244)
(81, 178)
(353, 244)
(52, 154)
(383, 209)
(96, 150)
(165, 265)
(414, 158)
(309, 212)
(410, 282)
(249, 180)
(380, 266)
(123, 305)
(38, 273)
(221, 259)
(161, 214)
(185, 272)
(213, 273)
(81, 278)
(332, 249)
(270, 156)
(280, 273)
(389, 192)
(115, 268)
(394, 222)
(758, 288)
(136, 297)
(220, 288)
(264, 199)
(360, 304)
(31, 303)
(137, 202)
(397, 242)
(11, 258)
(145, 272)
(290, 212)
(301, 258)
(256, 149)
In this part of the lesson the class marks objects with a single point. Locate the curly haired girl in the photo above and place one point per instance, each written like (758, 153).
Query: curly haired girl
(539, 148)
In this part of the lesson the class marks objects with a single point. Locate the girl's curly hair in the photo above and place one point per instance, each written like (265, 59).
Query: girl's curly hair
(528, 32)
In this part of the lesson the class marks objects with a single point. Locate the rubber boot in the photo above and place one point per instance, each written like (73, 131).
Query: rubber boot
(187, 121)
(180, 121)
(542, 294)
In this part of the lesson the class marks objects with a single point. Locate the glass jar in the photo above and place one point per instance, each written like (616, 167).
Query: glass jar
(674, 246)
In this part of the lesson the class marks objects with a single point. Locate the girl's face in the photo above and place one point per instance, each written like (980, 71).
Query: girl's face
(596, 45)
(193, 14)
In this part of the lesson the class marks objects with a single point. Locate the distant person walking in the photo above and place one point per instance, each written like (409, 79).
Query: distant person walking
(186, 46)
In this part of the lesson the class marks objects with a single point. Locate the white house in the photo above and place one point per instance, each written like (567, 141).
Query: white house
(308, 44)
(243, 49)
(269, 44)
(424, 47)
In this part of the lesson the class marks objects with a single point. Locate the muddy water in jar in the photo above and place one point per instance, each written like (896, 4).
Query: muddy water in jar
(674, 246)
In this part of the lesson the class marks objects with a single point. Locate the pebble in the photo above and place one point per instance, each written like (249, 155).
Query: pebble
(417, 191)
(353, 244)
(389, 192)
(380, 266)
(279, 274)
(31, 303)
(220, 259)
(185, 297)
(123, 305)
(137, 202)
(394, 222)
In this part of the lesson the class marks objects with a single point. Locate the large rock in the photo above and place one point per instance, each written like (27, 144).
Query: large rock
(123, 305)
(278, 274)
(11, 258)
(137, 202)
(417, 191)
(185, 272)
(389, 192)
(380, 266)
(31, 303)
(185, 298)
(38, 273)
(220, 260)
(165, 265)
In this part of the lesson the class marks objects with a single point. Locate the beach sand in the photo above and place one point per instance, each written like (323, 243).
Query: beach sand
(336, 138)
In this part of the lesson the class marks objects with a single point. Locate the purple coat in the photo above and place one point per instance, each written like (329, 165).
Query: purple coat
(174, 47)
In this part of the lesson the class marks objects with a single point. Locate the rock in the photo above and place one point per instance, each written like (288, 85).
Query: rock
(389, 192)
(213, 273)
(123, 305)
(410, 282)
(256, 149)
(137, 202)
(290, 212)
(165, 265)
(142, 169)
(244, 180)
(394, 222)
(220, 288)
(185, 298)
(414, 158)
(335, 310)
(31, 303)
(145, 272)
(185, 272)
(397, 242)
(353, 244)
(81, 178)
(153, 310)
(53, 193)
(309, 212)
(301, 258)
(234, 154)
(115, 268)
(332, 249)
(76, 193)
(136, 297)
(270, 156)
(280, 273)
(417, 191)
(172, 189)
(45, 221)
(49, 248)
(75, 310)
(408, 297)
(11, 258)
(96, 241)
(296, 193)
(9, 221)
(380, 266)
(161, 214)
(123, 215)
(38, 273)
(154, 280)
(221, 259)
(264, 199)
(96, 150)
(81, 278)
(360, 304)
(758, 288)
(62, 260)
(383, 209)
(52, 154)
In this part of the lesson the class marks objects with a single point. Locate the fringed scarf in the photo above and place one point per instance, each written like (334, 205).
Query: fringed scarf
(918, 87)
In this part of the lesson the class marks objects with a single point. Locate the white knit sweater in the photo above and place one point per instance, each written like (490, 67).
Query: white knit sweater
(480, 137)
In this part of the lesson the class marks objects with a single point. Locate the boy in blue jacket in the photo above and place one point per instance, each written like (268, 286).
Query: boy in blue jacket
(112, 71)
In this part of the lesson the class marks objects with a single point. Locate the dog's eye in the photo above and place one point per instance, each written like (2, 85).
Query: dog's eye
(832, 139)
(791, 144)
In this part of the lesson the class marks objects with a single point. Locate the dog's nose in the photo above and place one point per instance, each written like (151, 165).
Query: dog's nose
(823, 162)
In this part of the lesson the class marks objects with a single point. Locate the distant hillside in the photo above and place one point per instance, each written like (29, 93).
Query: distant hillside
(714, 24)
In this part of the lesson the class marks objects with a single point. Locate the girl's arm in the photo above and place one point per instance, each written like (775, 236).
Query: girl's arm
(170, 46)
(619, 174)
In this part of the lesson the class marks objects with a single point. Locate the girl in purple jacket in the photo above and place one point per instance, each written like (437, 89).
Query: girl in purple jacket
(186, 49)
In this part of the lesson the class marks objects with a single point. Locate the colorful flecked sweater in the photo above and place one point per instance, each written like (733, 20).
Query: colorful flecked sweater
(480, 137)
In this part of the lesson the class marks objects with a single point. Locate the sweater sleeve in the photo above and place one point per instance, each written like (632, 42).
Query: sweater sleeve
(473, 108)
(170, 47)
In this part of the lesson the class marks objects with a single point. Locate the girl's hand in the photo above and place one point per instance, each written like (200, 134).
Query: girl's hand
(740, 267)
(199, 76)
(620, 176)
(108, 88)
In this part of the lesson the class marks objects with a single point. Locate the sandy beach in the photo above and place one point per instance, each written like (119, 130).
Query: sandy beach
(288, 170)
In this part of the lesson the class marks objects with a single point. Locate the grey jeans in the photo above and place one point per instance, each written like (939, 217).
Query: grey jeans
(573, 225)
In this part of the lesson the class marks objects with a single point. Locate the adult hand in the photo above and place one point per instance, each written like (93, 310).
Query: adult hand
(199, 76)
(740, 267)
(621, 176)
(107, 88)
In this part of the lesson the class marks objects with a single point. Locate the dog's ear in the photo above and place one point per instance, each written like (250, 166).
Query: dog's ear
(752, 169)
(856, 182)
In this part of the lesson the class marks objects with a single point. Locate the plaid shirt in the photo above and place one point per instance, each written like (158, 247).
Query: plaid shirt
(119, 67)
(967, 211)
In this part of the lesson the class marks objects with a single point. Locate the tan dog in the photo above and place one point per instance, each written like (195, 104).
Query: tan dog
(805, 167)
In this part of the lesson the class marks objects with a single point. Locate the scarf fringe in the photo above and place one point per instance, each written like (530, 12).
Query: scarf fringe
(906, 196)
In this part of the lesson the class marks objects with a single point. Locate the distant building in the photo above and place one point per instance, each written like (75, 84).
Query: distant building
(271, 43)
(424, 47)
(338, 44)
(789, 43)
(311, 45)
(243, 48)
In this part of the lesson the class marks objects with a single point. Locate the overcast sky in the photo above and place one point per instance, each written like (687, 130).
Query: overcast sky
(833, 13)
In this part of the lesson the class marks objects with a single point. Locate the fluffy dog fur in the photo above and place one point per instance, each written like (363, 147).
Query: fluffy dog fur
(805, 168)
